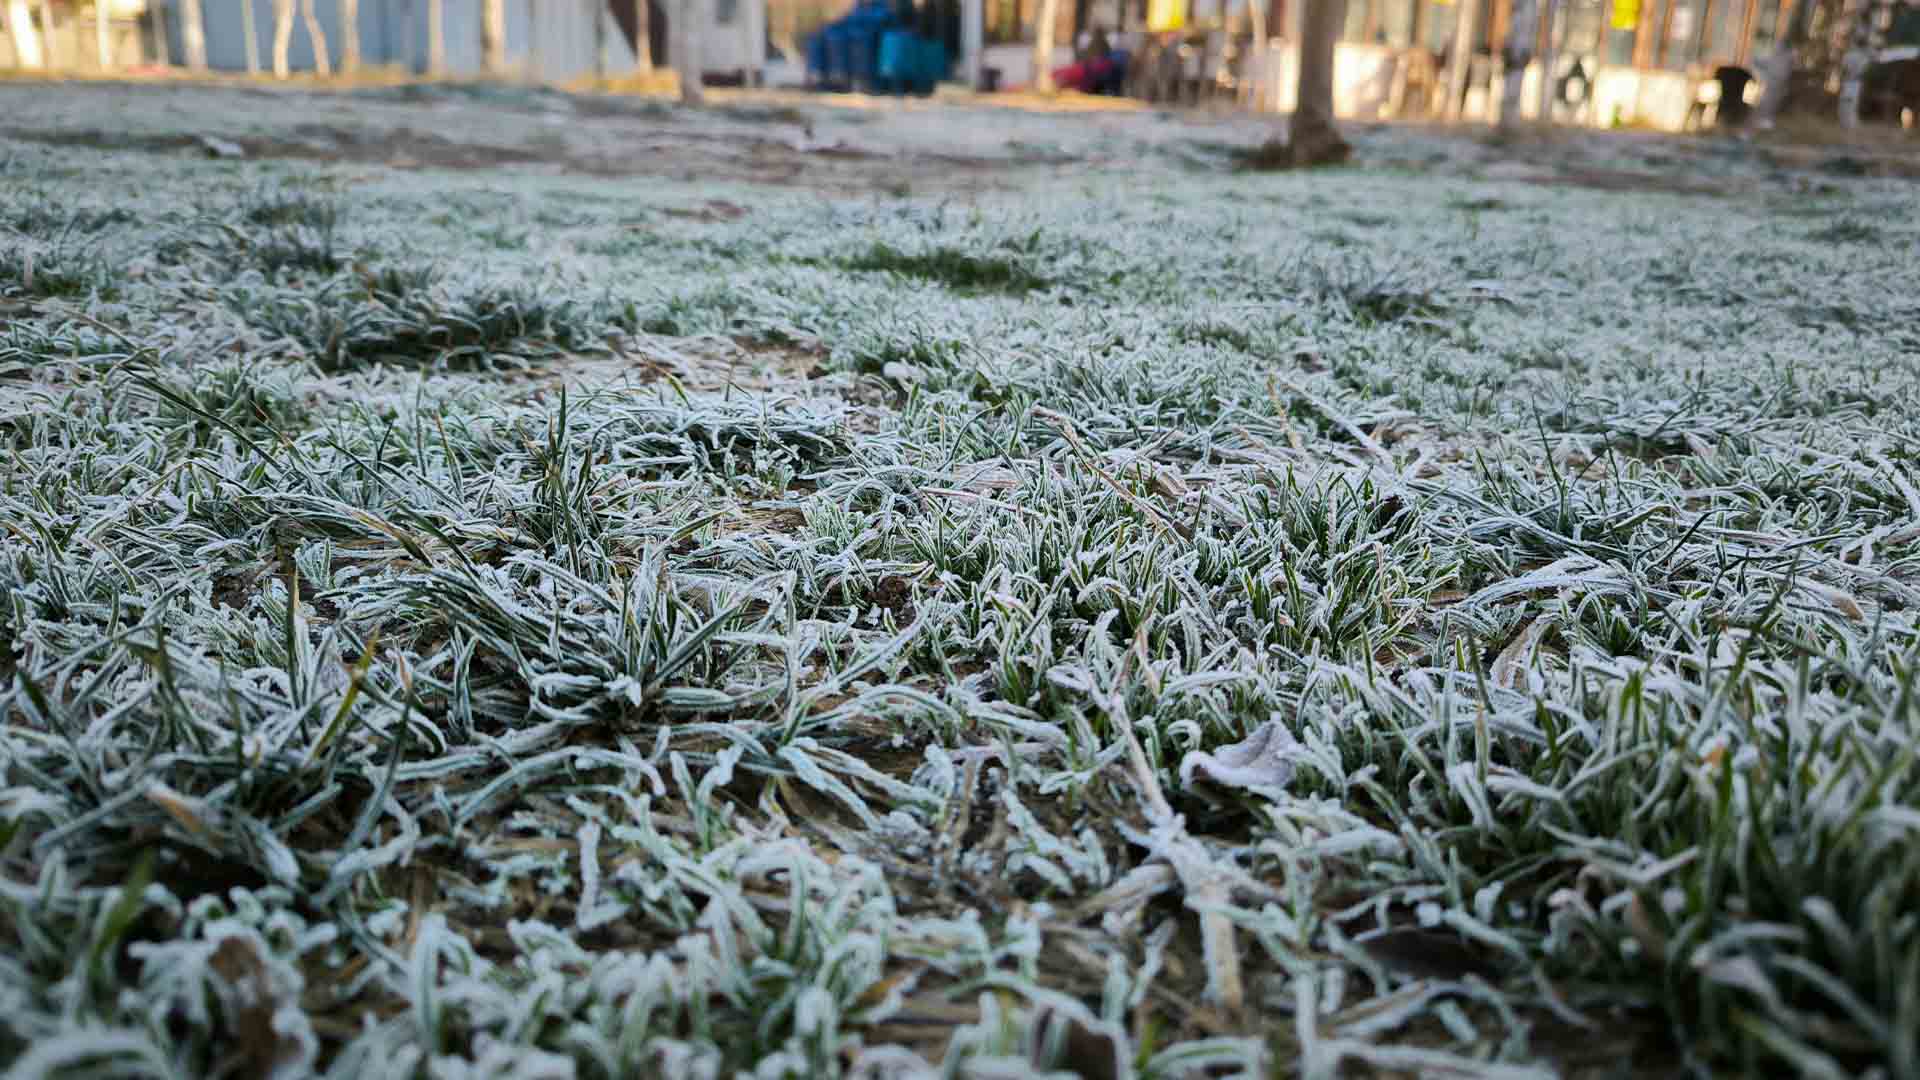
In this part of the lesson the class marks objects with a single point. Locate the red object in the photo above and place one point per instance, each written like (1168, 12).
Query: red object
(1084, 76)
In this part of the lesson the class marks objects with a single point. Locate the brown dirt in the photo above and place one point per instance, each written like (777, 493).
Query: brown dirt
(846, 145)
(737, 137)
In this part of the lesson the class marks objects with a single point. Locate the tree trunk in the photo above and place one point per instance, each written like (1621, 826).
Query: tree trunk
(282, 37)
(686, 51)
(493, 35)
(437, 38)
(1043, 45)
(193, 34)
(102, 35)
(322, 63)
(252, 34)
(643, 37)
(1314, 138)
(1523, 31)
(1466, 28)
(26, 41)
(1777, 69)
(349, 36)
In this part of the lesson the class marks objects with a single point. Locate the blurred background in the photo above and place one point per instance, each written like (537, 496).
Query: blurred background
(1663, 64)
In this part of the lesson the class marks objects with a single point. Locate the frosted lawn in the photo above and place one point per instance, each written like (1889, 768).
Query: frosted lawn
(516, 621)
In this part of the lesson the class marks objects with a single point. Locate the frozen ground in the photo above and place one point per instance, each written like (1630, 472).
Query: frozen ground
(502, 584)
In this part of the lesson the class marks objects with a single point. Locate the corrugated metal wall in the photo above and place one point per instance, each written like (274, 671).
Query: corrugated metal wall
(546, 39)
(550, 40)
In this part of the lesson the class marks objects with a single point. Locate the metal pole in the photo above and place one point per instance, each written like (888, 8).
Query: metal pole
(536, 66)
(973, 31)
(1549, 56)
(601, 62)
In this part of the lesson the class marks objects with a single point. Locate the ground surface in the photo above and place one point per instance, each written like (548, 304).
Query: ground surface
(501, 584)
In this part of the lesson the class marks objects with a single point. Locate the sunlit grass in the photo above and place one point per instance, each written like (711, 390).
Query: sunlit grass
(442, 634)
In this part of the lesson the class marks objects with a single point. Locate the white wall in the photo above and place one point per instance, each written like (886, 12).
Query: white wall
(740, 45)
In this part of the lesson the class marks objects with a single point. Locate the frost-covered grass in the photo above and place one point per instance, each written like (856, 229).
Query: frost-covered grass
(509, 624)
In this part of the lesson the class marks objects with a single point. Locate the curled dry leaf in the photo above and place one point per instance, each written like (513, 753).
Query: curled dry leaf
(1262, 759)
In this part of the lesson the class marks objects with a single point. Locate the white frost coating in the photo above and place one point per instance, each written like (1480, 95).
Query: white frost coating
(1261, 760)
(707, 723)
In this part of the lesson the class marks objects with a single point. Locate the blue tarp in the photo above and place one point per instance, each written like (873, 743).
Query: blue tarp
(872, 48)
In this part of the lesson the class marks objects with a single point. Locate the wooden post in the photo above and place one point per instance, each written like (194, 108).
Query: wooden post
(349, 36)
(1465, 29)
(493, 36)
(26, 41)
(252, 34)
(1043, 27)
(322, 62)
(102, 35)
(157, 26)
(643, 37)
(46, 33)
(282, 37)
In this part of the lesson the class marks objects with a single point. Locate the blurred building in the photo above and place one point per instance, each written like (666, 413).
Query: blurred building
(66, 35)
(1604, 62)
(553, 40)
(1598, 62)
(1612, 62)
